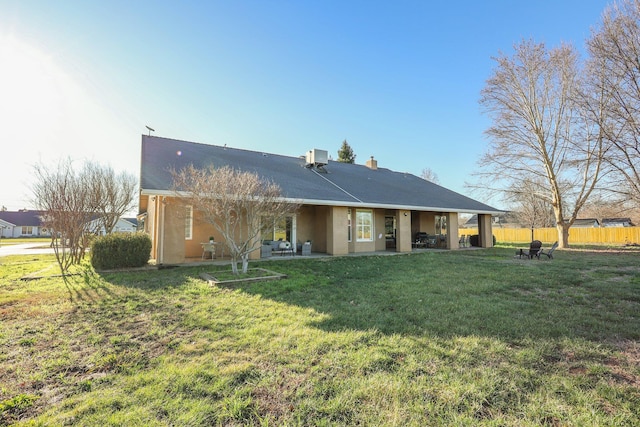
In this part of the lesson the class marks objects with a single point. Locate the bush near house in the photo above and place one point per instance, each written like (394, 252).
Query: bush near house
(120, 250)
(474, 240)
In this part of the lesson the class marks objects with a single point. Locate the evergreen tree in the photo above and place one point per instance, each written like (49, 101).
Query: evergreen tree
(345, 153)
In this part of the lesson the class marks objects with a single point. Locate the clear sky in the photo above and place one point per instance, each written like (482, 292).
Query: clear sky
(399, 80)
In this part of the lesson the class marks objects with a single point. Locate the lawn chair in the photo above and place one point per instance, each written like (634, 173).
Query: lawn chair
(534, 250)
(550, 253)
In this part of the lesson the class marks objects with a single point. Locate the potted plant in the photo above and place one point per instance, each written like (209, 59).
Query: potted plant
(210, 239)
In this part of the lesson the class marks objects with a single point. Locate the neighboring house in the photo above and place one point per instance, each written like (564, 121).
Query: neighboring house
(586, 223)
(22, 223)
(124, 225)
(617, 222)
(345, 208)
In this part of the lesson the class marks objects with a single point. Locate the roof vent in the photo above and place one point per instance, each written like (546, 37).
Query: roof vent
(317, 157)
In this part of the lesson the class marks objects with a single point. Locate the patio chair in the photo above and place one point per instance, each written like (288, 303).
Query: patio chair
(534, 250)
(549, 254)
(421, 239)
(208, 247)
(285, 248)
(463, 241)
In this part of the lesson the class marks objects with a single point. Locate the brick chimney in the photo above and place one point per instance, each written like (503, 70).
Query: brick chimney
(372, 163)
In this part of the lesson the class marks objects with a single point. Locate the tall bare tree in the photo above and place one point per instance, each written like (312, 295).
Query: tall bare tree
(77, 203)
(615, 48)
(240, 205)
(429, 175)
(116, 193)
(539, 133)
(68, 202)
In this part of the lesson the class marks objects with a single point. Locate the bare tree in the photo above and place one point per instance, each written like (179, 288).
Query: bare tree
(529, 208)
(603, 206)
(615, 48)
(429, 175)
(68, 203)
(116, 193)
(240, 205)
(539, 132)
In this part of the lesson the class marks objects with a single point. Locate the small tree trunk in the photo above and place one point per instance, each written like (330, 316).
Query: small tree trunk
(234, 265)
(245, 263)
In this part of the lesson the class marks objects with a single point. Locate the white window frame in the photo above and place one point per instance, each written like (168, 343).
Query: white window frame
(362, 226)
(188, 223)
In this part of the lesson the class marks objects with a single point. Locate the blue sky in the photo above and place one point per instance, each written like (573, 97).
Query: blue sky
(399, 80)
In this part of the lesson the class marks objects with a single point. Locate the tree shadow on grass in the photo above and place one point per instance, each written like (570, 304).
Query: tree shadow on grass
(485, 293)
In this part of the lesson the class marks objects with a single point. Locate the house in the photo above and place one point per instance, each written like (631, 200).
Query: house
(586, 223)
(22, 223)
(617, 222)
(345, 208)
(124, 225)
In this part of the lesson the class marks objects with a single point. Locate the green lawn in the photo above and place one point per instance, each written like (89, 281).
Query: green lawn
(22, 240)
(460, 338)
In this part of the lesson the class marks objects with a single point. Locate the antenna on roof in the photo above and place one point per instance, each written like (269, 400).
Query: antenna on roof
(150, 130)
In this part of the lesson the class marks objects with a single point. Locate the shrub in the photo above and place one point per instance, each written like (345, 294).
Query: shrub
(120, 250)
(474, 240)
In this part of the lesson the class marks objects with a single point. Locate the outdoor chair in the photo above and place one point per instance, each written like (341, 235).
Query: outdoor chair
(285, 248)
(421, 239)
(549, 254)
(534, 250)
(463, 241)
(208, 247)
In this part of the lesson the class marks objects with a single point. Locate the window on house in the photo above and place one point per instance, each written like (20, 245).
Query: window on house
(27, 231)
(441, 224)
(188, 223)
(282, 229)
(349, 224)
(364, 225)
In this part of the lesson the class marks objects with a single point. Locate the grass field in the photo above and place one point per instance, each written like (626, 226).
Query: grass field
(21, 240)
(436, 338)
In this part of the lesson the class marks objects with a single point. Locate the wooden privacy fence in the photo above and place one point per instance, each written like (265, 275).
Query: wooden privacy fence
(602, 235)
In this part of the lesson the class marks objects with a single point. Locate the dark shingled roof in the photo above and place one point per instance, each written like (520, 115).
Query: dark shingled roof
(24, 218)
(336, 183)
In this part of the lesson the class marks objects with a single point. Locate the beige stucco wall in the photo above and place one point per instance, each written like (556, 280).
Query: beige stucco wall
(172, 245)
(424, 222)
(379, 240)
(325, 226)
(336, 235)
(453, 239)
(403, 231)
(485, 233)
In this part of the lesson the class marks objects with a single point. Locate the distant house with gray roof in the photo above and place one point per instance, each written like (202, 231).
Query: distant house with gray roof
(617, 222)
(338, 201)
(22, 223)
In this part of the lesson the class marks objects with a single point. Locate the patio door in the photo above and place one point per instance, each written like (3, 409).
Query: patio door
(390, 229)
(285, 229)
